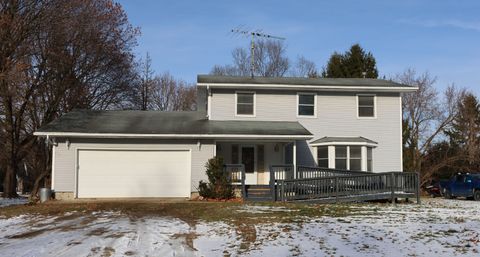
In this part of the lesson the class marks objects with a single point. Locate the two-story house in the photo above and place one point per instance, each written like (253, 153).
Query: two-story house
(352, 124)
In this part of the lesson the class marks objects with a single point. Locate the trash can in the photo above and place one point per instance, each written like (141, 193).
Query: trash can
(45, 194)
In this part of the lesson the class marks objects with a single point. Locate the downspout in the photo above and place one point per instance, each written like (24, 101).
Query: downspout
(209, 102)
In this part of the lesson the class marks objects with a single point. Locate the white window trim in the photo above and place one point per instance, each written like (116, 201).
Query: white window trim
(373, 160)
(374, 107)
(314, 105)
(254, 104)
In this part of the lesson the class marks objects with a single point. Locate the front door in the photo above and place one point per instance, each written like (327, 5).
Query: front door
(248, 159)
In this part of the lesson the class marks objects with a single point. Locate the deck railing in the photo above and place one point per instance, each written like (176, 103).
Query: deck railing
(236, 175)
(331, 185)
(318, 172)
(281, 172)
(367, 186)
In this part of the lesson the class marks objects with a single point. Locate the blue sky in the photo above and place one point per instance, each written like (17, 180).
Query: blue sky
(187, 38)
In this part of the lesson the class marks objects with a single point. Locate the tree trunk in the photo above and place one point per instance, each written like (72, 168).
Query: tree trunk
(36, 185)
(10, 182)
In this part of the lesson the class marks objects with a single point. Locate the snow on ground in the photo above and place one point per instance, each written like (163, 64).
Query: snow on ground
(12, 201)
(436, 228)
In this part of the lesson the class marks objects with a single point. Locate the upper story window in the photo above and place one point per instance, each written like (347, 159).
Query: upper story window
(366, 106)
(245, 103)
(306, 104)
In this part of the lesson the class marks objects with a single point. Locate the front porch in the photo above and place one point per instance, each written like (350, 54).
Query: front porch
(256, 158)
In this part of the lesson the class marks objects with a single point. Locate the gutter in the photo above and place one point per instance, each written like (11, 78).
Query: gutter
(312, 87)
(168, 136)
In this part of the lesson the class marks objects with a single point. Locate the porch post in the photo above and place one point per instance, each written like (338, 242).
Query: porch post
(294, 159)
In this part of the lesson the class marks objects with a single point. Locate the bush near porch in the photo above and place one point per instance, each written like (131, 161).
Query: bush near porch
(218, 185)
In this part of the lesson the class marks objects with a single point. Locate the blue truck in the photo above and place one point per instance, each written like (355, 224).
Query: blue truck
(462, 185)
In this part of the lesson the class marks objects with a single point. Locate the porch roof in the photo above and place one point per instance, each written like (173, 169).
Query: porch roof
(343, 141)
(150, 124)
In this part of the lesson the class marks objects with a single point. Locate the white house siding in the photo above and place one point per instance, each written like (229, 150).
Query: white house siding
(336, 117)
(65, 157)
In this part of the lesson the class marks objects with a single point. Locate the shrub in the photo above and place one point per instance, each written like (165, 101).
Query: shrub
(218, 185)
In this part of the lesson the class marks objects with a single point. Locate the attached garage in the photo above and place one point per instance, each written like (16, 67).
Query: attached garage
(133, 173)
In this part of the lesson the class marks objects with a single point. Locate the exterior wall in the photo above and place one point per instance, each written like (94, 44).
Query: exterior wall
(336, 117)
(64, 170)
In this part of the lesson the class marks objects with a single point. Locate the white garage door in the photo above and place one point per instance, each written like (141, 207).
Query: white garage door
(118, 173)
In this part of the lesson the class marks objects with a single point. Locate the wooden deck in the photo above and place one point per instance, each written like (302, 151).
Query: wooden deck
(314, 184)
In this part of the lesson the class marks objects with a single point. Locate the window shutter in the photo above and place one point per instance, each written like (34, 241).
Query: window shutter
(235, 154)
(260, 158)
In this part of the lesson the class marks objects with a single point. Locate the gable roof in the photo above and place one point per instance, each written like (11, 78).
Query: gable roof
(347, 84)
(90, 123)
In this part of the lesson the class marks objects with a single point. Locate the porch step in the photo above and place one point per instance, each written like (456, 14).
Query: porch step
(258, 199)
(258, 193)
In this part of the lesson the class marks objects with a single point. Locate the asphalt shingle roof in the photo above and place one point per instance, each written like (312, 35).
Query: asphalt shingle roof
(299, 81)
(343, 139)
(157, 122)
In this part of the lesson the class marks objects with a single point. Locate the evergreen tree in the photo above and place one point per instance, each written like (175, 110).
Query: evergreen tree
(355, 63)
(334, 67)
(465, 130)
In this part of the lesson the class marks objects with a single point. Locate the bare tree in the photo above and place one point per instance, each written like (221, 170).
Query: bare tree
(304, 68)
(270, 60)
(18, 22)
(185, 98)
(170, 94)
(425, 115)
(55, 56)
(146, 82)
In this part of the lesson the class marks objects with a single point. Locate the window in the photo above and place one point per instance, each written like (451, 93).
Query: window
(306, 104)
(355, 158)
(288, 153)
(245, 103)
(347, 157)
(369, 159)
(341, 157)
(322, 156)
(366, 106)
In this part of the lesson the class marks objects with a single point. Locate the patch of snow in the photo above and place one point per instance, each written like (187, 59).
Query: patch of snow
(258, 209)
(438, 227)
(4, 202)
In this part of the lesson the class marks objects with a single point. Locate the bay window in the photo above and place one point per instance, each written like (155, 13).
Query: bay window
(345, 157)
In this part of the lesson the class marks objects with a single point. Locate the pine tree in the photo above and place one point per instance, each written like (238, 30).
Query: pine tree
(465, 130)
(355, 63)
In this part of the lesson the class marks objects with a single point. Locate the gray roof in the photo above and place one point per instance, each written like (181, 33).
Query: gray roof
(343, 139)
(157, 122)
(299, 81)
